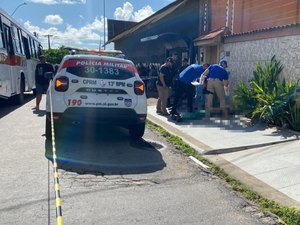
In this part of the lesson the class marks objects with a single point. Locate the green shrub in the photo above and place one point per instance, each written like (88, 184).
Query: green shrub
(244, 100)
(272, 103)
(293, 106)
(266, 98)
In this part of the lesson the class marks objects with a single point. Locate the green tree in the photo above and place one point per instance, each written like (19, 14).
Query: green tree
(54, 56)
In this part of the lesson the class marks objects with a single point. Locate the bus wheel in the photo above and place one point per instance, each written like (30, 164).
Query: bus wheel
(20, 98)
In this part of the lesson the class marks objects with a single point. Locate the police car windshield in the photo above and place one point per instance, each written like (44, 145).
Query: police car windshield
(101, 72)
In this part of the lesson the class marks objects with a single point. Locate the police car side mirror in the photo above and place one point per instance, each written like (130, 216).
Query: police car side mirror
(49, 75)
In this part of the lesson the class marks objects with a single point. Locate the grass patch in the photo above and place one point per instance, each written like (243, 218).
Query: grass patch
(286, 215)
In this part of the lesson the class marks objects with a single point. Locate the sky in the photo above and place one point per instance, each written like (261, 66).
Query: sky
(77, 23)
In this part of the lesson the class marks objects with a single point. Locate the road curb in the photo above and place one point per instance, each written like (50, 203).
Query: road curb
(196, 144)
(246, 147)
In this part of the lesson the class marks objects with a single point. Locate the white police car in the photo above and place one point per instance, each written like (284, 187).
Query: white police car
(99, 90)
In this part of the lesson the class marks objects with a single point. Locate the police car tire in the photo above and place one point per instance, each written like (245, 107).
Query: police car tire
(137, 131)
(48, 132)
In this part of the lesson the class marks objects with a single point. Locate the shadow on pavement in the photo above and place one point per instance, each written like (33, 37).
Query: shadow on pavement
(104, 150)
(39, 113)
(7, 106)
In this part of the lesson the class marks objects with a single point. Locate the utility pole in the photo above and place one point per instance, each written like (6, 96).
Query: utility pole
(48, 36)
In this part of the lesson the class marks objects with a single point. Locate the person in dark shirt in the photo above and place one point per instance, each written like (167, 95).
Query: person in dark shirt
(175, 67)
(41, 82)
(185, 64)
(142, 70)
(164, 82)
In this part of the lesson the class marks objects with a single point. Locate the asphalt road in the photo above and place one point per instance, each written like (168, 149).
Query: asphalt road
(107, 179)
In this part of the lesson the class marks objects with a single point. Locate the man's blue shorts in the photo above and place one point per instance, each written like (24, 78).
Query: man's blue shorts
(41, 88)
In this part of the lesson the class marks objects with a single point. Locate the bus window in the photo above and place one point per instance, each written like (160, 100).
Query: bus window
(26, 47)
(1, 35)
(8, 39)
(16, 40)
(31, 48)
(20, 41)
(35, 49)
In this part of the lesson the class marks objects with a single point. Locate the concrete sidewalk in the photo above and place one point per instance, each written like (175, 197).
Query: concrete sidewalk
(265, 159)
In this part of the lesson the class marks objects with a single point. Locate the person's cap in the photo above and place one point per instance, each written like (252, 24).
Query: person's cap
(223, 61)
(42, 57)
(170, 59)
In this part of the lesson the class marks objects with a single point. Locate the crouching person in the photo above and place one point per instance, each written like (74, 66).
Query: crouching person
(217, 79)
(184, 85)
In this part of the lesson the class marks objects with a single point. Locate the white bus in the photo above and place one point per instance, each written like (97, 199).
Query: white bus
(19, 53)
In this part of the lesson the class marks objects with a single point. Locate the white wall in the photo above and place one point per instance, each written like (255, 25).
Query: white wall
(245, 55)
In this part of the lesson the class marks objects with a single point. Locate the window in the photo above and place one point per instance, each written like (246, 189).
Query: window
(204, 16)
(26, 47)
(31, 47)
(16, 41)
(101, 72)
(2, 45)
(35, 55)
(8, 39)
(20, 41)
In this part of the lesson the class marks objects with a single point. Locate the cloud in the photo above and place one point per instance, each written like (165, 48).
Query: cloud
(53, 19)
(53, 2)
(143, 13)
(127, 13)
(88, 35)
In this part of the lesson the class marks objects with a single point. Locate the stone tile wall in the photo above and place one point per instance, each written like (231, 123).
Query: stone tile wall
(245, 55)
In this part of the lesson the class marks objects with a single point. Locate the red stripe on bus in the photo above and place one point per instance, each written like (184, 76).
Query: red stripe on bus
(12, 60)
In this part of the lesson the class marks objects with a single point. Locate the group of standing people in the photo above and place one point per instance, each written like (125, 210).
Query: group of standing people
(213, 80)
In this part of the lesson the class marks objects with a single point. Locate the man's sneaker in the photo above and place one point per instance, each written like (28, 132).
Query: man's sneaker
(174, 113)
